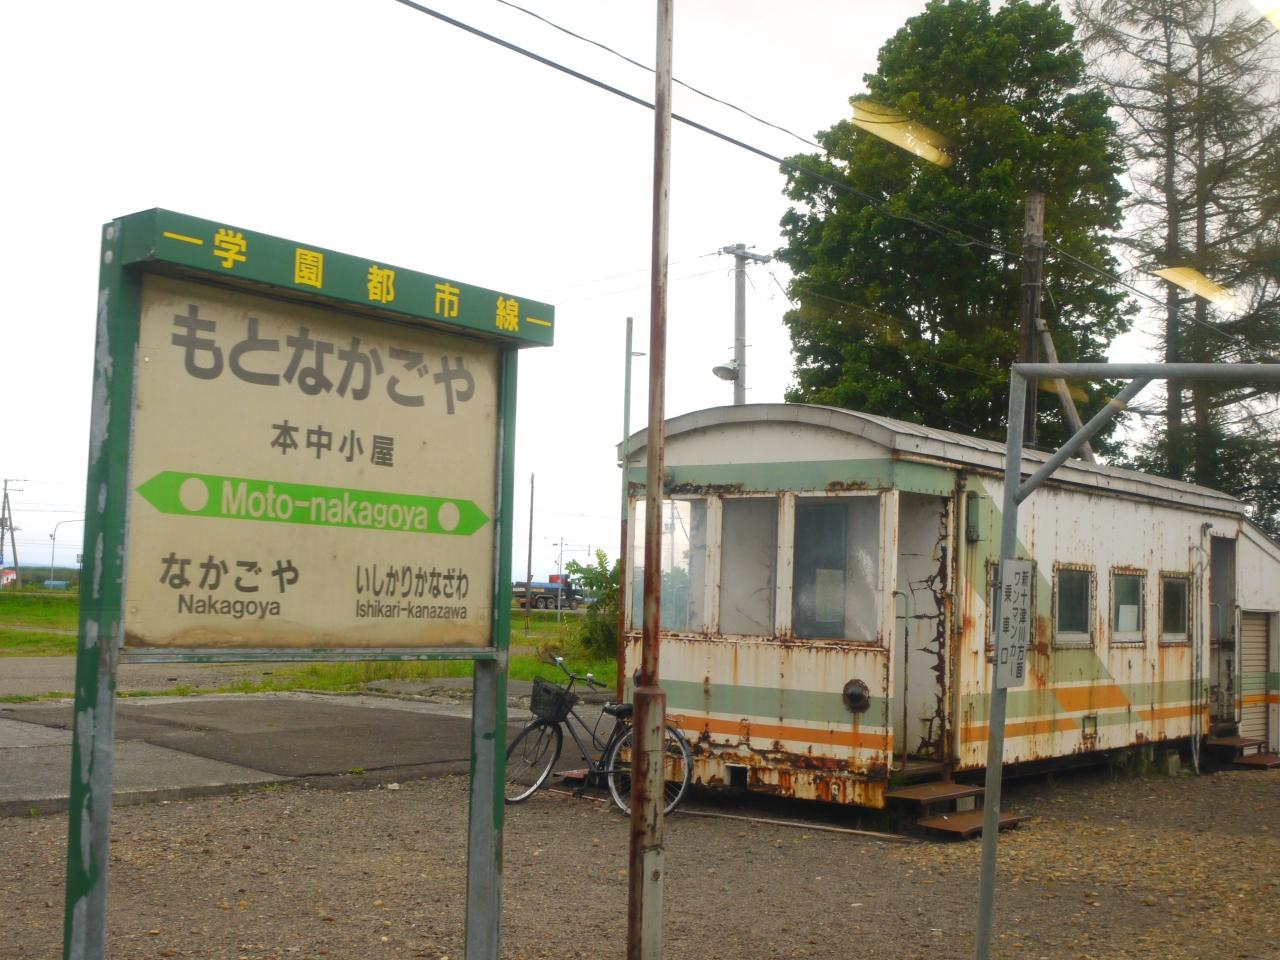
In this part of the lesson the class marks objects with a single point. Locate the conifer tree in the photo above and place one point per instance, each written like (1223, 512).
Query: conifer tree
(1195, 88)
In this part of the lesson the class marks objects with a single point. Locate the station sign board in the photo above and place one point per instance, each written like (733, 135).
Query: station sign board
(314, 449)
(294, 454)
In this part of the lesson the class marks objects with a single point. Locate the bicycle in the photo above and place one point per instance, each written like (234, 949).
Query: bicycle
(536, 749)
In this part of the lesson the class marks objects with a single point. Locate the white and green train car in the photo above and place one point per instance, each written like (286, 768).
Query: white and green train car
(825, 607)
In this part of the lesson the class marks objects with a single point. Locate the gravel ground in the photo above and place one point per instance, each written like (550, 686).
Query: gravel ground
(1129, 868)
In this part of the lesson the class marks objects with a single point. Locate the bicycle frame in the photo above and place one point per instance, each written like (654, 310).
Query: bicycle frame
(619, 728)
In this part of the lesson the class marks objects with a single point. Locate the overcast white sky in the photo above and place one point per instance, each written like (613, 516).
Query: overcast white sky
(366, 127)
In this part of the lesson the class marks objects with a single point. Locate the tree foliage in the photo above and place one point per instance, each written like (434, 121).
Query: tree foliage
(598, 631)
(899, 315)
(1195, 84)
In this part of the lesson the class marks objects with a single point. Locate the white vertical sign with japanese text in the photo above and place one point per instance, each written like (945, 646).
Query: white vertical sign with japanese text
(306, 477)
(1013, 622)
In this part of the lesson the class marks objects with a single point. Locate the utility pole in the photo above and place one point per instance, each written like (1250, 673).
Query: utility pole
(6, 525)
(1035, 332)
(646, 864)
(559, 579)
(625, 512)
(740, 257)
(1032, 270)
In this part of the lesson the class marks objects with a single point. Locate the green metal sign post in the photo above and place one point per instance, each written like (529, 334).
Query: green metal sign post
(295, 454)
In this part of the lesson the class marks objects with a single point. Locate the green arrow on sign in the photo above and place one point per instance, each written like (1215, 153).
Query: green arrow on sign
(241, 498)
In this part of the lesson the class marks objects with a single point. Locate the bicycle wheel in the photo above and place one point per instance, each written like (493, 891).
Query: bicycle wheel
(677, 764)
(530, 759)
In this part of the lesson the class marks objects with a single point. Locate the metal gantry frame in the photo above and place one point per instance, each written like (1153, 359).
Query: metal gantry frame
(1017, 490)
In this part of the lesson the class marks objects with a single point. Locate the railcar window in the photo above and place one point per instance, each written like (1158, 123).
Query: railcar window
(684, 556)
(1126, 607)
(835, 593)
(749, 557)
(1073, 601)
(1174, 596)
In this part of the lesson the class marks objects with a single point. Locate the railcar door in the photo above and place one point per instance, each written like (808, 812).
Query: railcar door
(1222, 621)
(923, 625)
(1255, 655)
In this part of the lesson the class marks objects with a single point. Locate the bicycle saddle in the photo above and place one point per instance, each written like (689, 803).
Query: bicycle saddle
(620, 710)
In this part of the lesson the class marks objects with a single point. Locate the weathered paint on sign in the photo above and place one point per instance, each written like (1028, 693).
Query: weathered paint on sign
(232, 254)
(307, 478)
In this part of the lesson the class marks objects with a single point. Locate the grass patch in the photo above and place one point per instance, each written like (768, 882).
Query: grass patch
(31, 643)
(32, 698)
(355, 677)
(543, 628)
(57, 611)
(546, 636)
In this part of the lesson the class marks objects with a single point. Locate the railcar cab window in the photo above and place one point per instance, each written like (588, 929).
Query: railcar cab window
(835, 593)
(748, 560)
(1073, 606)
(684, 566)
(1128, 590)
(1174, 603)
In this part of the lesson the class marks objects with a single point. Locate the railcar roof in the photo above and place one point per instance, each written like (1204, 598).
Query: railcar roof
(913, 440)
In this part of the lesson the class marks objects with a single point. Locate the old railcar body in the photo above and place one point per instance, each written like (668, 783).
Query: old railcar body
(826, 593)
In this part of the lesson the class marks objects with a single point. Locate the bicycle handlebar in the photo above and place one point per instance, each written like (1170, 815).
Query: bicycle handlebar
(589, 680)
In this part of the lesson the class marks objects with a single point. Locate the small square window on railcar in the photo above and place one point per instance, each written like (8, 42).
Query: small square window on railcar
(1073, 606)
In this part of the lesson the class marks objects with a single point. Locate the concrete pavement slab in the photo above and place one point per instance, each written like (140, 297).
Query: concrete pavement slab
(15, 733)
(284, 734)
(171, 747)
(37, 775)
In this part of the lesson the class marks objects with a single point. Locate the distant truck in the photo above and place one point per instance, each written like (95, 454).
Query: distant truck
(545, 594)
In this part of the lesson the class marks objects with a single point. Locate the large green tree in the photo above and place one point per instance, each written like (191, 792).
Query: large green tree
(898, 314)
(1194, 83)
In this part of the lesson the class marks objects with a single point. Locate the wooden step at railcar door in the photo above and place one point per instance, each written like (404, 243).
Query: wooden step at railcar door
(936, 794)
(946, 807)
(1259, 761)
(966, 824)
(1235, 747)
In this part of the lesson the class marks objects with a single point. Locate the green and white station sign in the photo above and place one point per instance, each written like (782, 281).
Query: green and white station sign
(318, 471)
(295, 454)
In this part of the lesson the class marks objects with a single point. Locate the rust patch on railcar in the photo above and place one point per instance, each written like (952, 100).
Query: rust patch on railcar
(935, 648)
(788, 774)
(835, 486)
(705, 489)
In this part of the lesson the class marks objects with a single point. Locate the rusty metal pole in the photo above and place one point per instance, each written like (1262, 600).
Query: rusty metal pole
(644, 906)
(623, 560)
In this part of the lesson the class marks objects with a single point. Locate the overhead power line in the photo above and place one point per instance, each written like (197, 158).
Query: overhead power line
(951, 234)
(675, 80)
(957, 237)
(645, 286)
(1212, 328)
(629, 273)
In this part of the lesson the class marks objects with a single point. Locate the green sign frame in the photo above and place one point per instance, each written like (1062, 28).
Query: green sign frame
(214, 253)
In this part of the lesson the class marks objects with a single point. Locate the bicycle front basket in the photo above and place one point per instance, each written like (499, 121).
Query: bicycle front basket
(550, 702)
